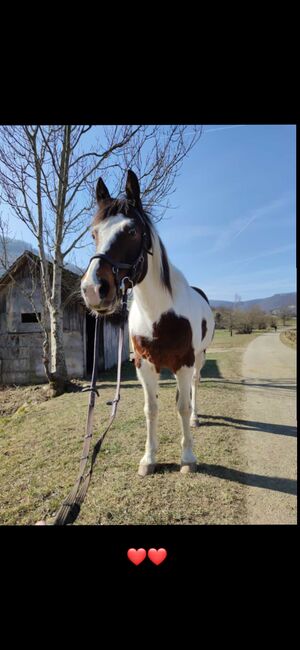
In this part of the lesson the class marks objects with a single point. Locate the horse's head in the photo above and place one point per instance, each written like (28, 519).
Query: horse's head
(122, 235)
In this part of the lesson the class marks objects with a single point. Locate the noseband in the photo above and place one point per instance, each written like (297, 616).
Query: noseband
(134, 269)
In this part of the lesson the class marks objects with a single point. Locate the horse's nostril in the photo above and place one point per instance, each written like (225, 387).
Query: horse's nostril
(84, 289)
(103, 288)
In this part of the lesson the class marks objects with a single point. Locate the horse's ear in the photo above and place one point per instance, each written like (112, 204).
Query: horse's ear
(101, 191)
(133, 188)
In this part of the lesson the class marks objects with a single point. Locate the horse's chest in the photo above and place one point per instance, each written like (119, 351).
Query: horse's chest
(170, 346)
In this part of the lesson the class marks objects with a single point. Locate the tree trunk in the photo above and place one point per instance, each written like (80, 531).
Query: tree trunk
(59, 373)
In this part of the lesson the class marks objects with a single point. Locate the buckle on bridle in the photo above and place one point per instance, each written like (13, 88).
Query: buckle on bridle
(122, 285)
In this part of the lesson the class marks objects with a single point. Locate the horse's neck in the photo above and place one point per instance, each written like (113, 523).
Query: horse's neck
(151, 297)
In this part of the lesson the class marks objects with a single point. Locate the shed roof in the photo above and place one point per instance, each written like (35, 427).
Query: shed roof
(15, 248)
(22, 259)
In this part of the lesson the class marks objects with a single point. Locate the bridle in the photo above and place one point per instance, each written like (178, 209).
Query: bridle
(135, 268)
(70, 508)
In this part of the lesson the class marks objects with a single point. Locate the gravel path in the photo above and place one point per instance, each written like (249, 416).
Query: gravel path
(269, 436)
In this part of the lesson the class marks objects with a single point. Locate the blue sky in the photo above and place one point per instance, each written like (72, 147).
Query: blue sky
(232, 228)
(233, 231)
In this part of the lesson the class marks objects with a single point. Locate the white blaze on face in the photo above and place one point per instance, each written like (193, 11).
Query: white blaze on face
(107, 230)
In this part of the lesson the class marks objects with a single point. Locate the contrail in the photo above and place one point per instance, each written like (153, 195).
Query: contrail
(224, 128)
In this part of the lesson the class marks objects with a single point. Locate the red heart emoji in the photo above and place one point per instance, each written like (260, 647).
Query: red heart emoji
(136, 556)
(157, 556)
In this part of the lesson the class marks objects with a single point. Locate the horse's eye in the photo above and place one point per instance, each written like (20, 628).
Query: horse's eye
(132, 232)
(93, 235)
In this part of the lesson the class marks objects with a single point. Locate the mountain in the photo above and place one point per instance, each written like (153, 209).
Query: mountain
(15, 248)
(271, 304)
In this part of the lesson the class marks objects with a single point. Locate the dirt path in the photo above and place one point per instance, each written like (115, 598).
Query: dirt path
(269, 443)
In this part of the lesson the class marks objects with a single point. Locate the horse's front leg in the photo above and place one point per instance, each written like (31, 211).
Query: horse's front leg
(149, 379)
(184, 380)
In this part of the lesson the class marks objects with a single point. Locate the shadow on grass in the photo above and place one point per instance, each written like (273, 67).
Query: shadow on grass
(252, 425)
(210, 369)
(166, 468)
(107, 378)
(266, 383)
(285, 485)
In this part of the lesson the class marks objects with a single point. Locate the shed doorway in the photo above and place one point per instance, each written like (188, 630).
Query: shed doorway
(90, 333)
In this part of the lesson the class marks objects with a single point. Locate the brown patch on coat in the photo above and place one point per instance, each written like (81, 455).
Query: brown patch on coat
(102, 212)
(171, 346)
(137, 359)
(203, 328)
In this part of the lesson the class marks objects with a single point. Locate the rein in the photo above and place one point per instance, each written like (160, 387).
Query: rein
(70, 508)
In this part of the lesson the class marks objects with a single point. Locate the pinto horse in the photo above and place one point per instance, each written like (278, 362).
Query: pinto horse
(170, 323)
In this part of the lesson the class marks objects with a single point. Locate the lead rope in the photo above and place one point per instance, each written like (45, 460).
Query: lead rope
(70, 508)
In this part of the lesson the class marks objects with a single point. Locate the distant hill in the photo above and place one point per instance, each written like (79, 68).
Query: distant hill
(271, 304)
(15, 248)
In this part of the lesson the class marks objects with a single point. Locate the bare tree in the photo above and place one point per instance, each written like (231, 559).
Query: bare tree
(47, 178)
(284, 314)
(156, 154)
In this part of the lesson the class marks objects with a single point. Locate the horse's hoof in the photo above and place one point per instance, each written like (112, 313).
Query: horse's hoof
(145, 470)
(195, 423)
(188, 468)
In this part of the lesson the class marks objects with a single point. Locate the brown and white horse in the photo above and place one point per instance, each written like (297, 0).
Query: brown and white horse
(170, 323)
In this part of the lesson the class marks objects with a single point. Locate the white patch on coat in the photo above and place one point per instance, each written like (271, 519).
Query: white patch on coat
(107, 230)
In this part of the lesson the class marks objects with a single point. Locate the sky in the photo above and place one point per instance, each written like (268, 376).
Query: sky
(232, 227)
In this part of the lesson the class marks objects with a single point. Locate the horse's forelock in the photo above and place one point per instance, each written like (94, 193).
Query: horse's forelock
(111, 207)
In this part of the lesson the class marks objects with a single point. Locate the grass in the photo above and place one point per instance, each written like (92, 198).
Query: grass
(40, 445)
(225, 353)
(289, 338)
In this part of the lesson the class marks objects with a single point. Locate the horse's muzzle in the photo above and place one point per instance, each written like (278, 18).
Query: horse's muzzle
(95, 301)
(91, 295)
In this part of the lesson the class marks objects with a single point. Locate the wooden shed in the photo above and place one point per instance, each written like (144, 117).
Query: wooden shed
(21, 337)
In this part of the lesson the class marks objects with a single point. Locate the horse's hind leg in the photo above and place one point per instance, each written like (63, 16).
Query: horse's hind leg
(184, 378)
(149, 380)
(199, 363)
